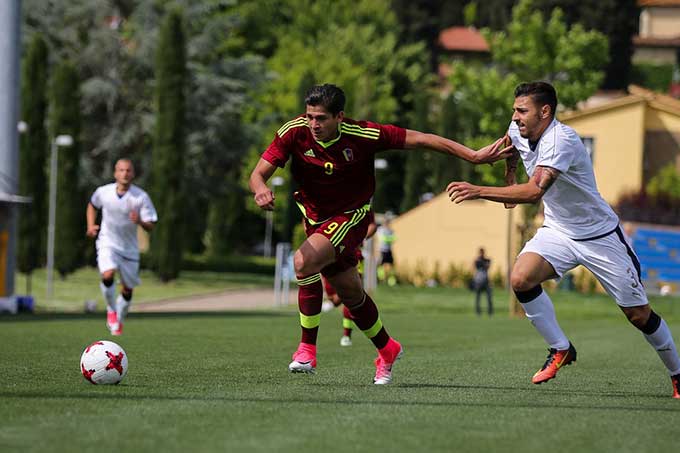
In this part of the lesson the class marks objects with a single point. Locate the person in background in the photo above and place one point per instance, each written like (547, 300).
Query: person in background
(386, 238)
(480, 282)
(124, 206)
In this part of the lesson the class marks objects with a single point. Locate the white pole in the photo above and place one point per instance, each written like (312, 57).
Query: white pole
(10, 30)
(269, 215)
(52, 214)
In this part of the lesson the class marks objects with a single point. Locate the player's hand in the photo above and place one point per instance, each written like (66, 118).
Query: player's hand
(92, 231)
(498, 150)
(134, 216)
(461, 191)
(265, 199)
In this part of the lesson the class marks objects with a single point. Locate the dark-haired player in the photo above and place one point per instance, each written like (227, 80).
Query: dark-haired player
(333, 165)
(579, 228)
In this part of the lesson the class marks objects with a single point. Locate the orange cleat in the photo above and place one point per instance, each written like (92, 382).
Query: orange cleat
(675, 380)
(556, 360)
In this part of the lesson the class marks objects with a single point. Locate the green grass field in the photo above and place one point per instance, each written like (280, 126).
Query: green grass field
(218, 382)
(71, 293)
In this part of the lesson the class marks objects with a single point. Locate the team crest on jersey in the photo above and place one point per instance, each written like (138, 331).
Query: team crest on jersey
(349, 155)
(310, 153)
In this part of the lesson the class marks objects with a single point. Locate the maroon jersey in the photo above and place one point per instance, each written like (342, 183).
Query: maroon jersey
(336, 176)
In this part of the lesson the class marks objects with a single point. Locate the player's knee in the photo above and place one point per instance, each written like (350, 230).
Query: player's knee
(107, 276)
(303, 265)
(299, 263)
(644, 319)
(520, 281)
(126, 293)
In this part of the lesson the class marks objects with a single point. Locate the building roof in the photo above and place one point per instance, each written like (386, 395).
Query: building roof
(636, 95)
(644, 3)
(640, 41)
(466, 39)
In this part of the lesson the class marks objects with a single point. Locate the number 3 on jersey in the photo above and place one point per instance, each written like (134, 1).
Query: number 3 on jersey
(329, 168)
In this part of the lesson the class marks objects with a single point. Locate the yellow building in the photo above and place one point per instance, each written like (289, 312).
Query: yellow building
(630, 138)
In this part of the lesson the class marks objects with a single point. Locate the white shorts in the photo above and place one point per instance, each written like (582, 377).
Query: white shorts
(610, 258)
(128, 269)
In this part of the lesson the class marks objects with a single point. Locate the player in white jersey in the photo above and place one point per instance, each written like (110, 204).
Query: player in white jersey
(579, 228)
(123, 206)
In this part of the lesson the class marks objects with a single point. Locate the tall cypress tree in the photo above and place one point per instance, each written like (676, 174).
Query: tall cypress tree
(169, 147)
(64, 118)
(32, 155)
(415, 174)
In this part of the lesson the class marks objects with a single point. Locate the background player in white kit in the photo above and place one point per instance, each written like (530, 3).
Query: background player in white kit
(579, 228)
(124, 206)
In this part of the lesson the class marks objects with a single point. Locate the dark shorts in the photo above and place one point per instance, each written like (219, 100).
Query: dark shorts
(386, 258)
(346, 232)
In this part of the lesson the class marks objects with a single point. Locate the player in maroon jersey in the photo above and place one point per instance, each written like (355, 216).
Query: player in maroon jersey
(333, 165)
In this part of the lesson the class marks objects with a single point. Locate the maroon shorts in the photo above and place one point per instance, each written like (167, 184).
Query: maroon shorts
(346, 232)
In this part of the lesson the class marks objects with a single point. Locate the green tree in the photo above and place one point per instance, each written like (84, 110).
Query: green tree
(169, 147)
(617, 20)
(443, 168)
(666, 182)
(113, 44)
(64, 119)
(416, 168)
(32, 157)
(534, 48)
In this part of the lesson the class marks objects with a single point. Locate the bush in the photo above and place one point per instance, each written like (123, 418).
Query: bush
(656, 77)
(642, 207)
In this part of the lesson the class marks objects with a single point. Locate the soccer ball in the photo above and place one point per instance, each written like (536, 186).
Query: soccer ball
(104, 362)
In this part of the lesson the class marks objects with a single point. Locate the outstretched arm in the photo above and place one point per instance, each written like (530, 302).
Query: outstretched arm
(491, 153)
(264, 197)
(530, 192)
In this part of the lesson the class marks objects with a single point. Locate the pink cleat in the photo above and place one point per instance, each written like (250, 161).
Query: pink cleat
(385, 360)
(111, 319)
(117, 329)
(304, 359)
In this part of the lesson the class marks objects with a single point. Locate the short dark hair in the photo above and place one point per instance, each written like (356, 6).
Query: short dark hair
(542, 93)
(329, 96)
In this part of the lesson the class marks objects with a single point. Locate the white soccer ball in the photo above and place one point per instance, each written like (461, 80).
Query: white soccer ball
(104, 362)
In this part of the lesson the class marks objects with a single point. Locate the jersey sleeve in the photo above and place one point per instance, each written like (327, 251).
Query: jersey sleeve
(278, 151)
(147, 212)
(557, 153)
(513, 133)
(96, 198)
(392, 137)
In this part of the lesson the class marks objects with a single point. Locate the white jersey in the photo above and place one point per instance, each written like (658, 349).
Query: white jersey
(117, 231)
(572, 205)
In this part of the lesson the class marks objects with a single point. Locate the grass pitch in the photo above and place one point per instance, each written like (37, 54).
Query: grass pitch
(218, 382)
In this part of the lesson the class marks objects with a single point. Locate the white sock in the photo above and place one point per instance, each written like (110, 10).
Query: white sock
(109, 293)
(662, 341)
(541, 313)
(122, 307)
